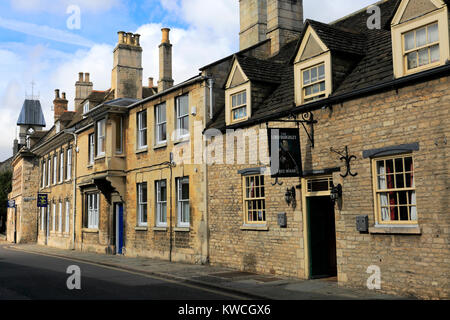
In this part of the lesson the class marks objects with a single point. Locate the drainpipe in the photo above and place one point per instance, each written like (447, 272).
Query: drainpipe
(211, 96)
(74, 169)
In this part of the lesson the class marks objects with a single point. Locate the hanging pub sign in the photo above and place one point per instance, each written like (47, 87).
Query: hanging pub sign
(285, 154)
(11, 204)
(42, 200)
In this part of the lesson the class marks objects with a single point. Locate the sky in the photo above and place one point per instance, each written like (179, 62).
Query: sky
(48, 42)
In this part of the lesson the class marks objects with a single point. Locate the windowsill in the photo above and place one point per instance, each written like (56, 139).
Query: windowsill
(398, 229)
(87, 230)
(247, 227)
(160, 146)
(142, 150)
(163, 229)
(90, 166)
(182, 229)
(141, 228)
(102, 157)
(120, 155)
(181, 140)
(238, 121)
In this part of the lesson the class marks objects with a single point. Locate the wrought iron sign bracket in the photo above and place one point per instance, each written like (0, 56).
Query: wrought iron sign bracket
(307, 119)
(347, 158)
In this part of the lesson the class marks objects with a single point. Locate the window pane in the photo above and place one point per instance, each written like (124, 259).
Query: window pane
(244, 97)
(434, 53)
(306, 79)
(183, 105)
(322, 86)
(421, 37)
(234, 101)
(409, 41)
(313, 74)
(433, 33)
(308, 91)
(412, 60)
(316, 88)
(399, 165)
(423, 57)
(321, 72)
(185, 191)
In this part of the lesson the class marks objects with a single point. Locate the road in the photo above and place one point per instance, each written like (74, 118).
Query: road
(26, 276)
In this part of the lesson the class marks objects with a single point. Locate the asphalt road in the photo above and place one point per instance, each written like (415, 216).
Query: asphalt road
(36, 277)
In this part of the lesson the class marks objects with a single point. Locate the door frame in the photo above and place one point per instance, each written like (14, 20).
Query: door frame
(306, 235)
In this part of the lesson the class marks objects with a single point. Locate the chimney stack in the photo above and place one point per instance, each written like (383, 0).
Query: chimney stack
(253, 22)
(59, 104)
(83, 88)
(126, 78)
(165, 62)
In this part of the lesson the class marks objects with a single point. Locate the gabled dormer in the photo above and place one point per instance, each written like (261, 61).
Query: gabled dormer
(250, 81)
(420, 36)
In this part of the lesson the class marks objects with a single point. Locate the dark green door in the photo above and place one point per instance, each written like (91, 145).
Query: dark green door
(322, 237)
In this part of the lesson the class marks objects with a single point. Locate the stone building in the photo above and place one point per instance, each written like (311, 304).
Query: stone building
(374, 106)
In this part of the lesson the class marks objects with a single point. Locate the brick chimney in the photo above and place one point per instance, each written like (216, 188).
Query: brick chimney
(59, 104)
(165, 62)
(284, 22)
(126, 75)
(83, 88)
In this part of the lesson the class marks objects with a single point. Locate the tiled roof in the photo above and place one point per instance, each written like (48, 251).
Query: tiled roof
(31, 114)
(260, 70)
(349, 35)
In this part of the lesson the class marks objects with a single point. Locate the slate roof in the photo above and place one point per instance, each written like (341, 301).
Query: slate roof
(349, 35)
(31, 114)
(260, 70)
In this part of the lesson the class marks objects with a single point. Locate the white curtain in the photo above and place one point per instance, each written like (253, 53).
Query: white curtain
(383, 196)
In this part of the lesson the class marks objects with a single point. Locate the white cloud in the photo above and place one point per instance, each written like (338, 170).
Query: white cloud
(44, 32)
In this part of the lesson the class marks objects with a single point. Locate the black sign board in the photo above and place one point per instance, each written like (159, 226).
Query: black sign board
(42, 200)
(11, 203)
(285, 154)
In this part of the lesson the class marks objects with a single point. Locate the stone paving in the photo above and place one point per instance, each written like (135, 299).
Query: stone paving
(249, 285)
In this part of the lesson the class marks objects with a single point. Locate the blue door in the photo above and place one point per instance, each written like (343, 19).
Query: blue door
(119, 228)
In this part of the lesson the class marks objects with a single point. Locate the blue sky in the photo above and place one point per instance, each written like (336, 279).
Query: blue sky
(36, 44)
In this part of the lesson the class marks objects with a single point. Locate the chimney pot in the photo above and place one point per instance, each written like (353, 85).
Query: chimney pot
(150, 82)
(57, 94)
(64, 96)
(121, 37)
(165, 35)
(136, 40)
(86, 77)
(80, 77)
(129, 38)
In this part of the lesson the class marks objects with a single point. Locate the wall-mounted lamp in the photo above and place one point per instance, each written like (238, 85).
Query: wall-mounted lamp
(289, 196)
(336, 192)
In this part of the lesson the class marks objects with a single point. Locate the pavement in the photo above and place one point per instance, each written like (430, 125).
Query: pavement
(234, 284)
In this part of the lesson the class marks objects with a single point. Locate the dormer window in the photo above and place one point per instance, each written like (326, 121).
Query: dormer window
(421, 46)
(239, 106)
(86, 107)
(420, 36)
(313, 80)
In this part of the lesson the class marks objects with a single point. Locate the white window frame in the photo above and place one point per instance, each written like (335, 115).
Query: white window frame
(142, 205)
(416, 49)
(42, 219)
(254, 200)
(162, 124)
(53, 217)
(86, 107)
(55, 169)
(69, 164)
(142, 130)
(321, 94)
(91, 148)
(44, 173)
(239, 106)
(67, 219)
(49, 171)
(101, 138)
(182, 132)
(60, 216)
(161, 206)
(61, 167)
(93, 209)
(183, 217)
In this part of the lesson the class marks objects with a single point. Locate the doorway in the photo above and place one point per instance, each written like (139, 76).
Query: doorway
(321, 237)
(118, 228)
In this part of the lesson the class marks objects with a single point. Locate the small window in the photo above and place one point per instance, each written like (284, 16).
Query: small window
(92, 205)
(421, 47)
(161, 124)
(101, 137)
(142, 130)
(183, 202)
(313, 83)
(254, 199)
(91, 148)
(69, 164)
(239, 106)
(67, 220)
(119, 135)
(86, 107)
(395, 191)
(142, 204)
(161, 203)
(61, 167)
(182, 111)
